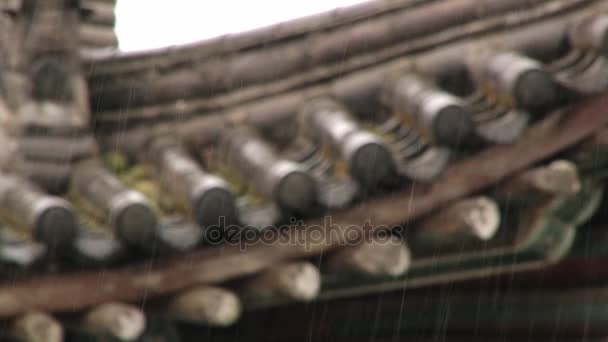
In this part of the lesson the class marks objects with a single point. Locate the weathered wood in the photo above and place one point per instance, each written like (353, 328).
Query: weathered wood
(300, 281)
(37, 327)
(209, 306)
(557, 178)
(469, 220)
(116, 320)
(78, 290)
(166, 81)
(379, 257)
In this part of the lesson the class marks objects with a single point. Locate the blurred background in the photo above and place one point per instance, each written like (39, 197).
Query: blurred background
(165, 23)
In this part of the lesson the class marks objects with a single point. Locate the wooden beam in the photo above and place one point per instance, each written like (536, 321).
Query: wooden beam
(115, 320)
(211, 306)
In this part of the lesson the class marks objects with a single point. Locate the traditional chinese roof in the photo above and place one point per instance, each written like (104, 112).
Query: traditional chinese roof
(368, 149)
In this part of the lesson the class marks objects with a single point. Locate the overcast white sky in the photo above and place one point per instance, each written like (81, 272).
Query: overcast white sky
(146, 24)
